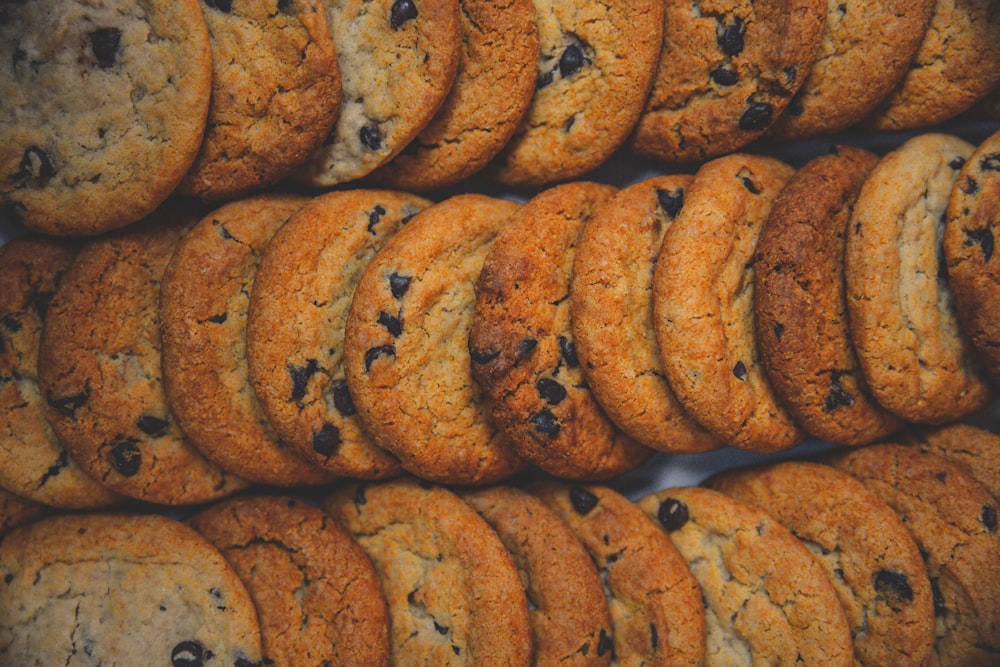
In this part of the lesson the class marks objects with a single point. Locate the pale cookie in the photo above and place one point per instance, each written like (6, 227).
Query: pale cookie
(103, 106)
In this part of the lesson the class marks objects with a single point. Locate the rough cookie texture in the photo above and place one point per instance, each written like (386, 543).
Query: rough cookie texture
(275, 94)
(800, 308)
(726, 72)
(971, 229)
(110, 589)
(973, 448)
(612, 315)
(522, 348)
(406, 345)
(953, 518)
(318, 597)
(703, 304)
(595, 69)
(398, 60)
(917, 361)
(203, 300)
(767, 600)
(100, 374)
(865, 548)
(298, 308)
(499, 55)
(103, 106)
(454, 593)
(570, 620)
(654, 598)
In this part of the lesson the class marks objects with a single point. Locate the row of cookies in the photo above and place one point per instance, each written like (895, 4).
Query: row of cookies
(877, 555)
(222, 98)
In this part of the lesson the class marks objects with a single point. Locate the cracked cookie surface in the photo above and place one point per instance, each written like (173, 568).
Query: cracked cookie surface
(976, 449)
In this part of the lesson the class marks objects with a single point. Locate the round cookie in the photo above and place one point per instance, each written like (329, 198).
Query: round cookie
(121, 590)
(397, 60)
(567, 606)
(298, 307)
(99, 369)
(953, 518)
(866, 550)
(767, 600)
(103, 107)
(595, 69)
(453, 591)
(864, 53)
(612, 315)
(275, 94)
(317, 595)
(912, 351)
(499, 53)
(203, 302)
(726, 72)
(654, 598)
(16, 511)
(974, 449)
(34, 463)
(406, 346)
(800, 309)
(956, 65)
(521, 342)
(971, 228)
(703, 304)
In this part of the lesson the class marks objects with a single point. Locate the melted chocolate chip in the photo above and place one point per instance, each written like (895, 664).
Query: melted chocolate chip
(551, 391)
(441, 629)
(326, 440)
(241, 661)
(525, 348)
(990, 163)
(188, 654)
(571, 61)
(568, 351)
(151, 425)
(374, 217)
(740, 371)
(286, 6)
(969, 186)
(342, 398)
(68, 405)
(300, 376)
(376, 352)
(981, 237)
(730, 38)
(670, 202)
(756, 117)
(582, 500)
(724, 77)
(654, 636)
(480, 357)
(989, 517)
(391, 323)
(604, 643)
(105, 42)
(36, 165)
(672, 514)
(546, 423)
(544, 79)
(401, 12)
(11, 323)
(218, 319)
(371, 138)
(225, 6)
(893, 587)
(957, 163)
(398, 284)
(126, 458)
(838, 396)
(795, 107)
(779, 330)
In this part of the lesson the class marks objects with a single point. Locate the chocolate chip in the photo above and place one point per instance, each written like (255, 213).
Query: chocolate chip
(241, 661)
(398, 284)
(571, 60)
(376, 352)
(970, 186)
(989, 517)
(568, 351)
(838, 396)
(750, 185)
(582, 500)
(568, 125)
(730, 38)
(401, 12)
(40, 302)
(670, 202)
(68, 405)
(893, 587)
(374, 217)
(740, 371)
(981, 237)
(391, 323)
(36, 165)
(604, 643)
(126, 458)
(672, 514)
(326, 440)
(524, 348)
(222, 5)
(188, 654)
(11, 323)
(480, 357)
(300, 376)
(757, 116)
(218, 319)
(551, 391)
(441, 629)
(990, 162)
(795, 107)
(105, 42)
(359, 495)
(342, 398)
(151, 425)
(544, 79)
(779, 330)
(546, 423)
(940, 606)
(790, 73)
(654, 636)
(724, 77)
(286, 6)
(957, 163)
(371, 138)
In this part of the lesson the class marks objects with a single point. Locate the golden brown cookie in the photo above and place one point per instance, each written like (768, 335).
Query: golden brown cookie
(976, 449)
(16, 511)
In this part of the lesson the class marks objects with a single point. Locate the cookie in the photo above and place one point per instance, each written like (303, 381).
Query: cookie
(957, 64)
(406, 348)
(595, 69)
(298, 307)
(654, 598)
(275, 94)
(523, 355)
(866, 550)
(317, 595)
(100, 375)
(453, 591)
(953, 518)
(612, 315)
(971, 227)
(726, 72)
(499, 53)
(767, 599)
(103, 107)
(703, 304)
(203, 302)
(975, 449)
(16, 511)
(567, 606)
(915, 358)
(864, 53)
(799, 305)
(123, 590)
(34, 463)
(397, 60)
